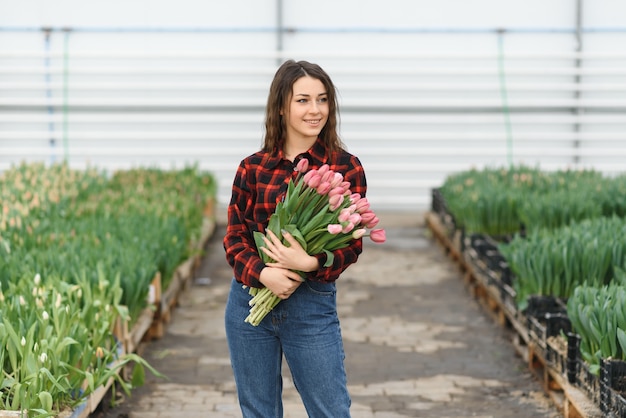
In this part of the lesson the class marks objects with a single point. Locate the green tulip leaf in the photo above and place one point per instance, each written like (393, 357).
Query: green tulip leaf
(46, 400)
(139, 375)
(316, 220)
(274, 224)
(330, 258)
(295, 232)
(17, 389)
(621, 337)
(90, 381)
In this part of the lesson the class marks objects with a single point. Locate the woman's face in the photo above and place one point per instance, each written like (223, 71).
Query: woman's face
(306, 112)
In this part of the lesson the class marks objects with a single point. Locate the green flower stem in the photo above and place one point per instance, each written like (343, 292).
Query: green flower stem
(262, 303)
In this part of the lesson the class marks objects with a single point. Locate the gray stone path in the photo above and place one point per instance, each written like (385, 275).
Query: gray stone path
(417, 344)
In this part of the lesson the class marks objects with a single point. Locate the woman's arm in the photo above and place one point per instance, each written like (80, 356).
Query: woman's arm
(241, 252)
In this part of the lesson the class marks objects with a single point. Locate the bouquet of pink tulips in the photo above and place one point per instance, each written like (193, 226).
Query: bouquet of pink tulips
(321, 213)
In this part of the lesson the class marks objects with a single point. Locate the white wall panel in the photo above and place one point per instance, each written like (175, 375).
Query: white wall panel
(123, 13)
(425, 90)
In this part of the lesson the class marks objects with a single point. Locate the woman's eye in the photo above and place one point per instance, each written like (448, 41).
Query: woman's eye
(323, 100)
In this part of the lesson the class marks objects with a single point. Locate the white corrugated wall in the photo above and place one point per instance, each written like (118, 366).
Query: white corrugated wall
(425, 90)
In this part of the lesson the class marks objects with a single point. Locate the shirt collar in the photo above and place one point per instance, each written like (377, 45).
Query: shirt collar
(316, 155)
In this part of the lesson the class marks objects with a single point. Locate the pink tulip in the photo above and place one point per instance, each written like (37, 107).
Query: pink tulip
(314, 181)
(328, 176)
(378, 235)
(354, 197)
(308, 175)
(371, 224)
(348, 227)
(335, 191)
(323, 188)
(344, 215)
(362, 205)
(323, 169)
(358, 233)
(355, 218)
(335, 202)
(337, 180)
(346, 185)
(303, 165)
(334, 229)
(367, 216)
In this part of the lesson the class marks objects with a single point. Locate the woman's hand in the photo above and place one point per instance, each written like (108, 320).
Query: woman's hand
(282, 282)
(292, 257)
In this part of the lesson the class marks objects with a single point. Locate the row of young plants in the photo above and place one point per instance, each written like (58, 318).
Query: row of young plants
(563, 235)
(78, 251)
(500, 201)
(582, 264)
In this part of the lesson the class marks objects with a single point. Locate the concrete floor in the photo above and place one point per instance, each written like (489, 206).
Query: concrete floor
(417, 344)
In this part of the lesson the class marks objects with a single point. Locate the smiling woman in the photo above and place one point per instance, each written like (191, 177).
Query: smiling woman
(301, 125)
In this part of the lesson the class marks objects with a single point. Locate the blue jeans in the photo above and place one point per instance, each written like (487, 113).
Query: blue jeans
(305, 328)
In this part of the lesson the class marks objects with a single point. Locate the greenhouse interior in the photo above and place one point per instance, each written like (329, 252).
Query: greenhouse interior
(472, 262)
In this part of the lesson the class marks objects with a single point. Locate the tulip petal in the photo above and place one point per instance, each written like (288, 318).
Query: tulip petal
(378, 235)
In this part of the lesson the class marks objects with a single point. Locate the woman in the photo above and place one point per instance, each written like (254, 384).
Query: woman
(300, 122)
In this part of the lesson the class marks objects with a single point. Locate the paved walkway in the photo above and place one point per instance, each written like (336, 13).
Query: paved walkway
(417, 344)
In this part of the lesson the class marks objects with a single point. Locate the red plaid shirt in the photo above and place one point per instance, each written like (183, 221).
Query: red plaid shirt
(260, 183)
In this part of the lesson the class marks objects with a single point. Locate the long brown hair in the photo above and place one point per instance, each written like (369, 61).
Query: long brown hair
(281, 90)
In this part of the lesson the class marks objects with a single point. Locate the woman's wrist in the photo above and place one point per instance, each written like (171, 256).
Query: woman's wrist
(313, 264)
